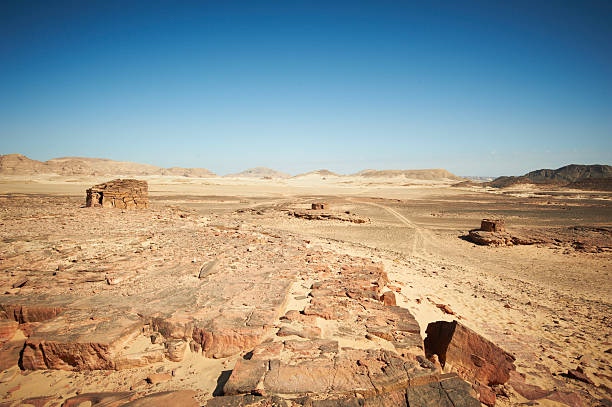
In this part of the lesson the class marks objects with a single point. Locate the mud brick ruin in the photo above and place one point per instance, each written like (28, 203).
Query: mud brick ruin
(320, 206)
(119, 193)
(493, 225)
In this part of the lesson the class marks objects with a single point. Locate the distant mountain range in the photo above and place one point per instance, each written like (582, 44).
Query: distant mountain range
(17, 164)
(594, 176)
(259, 172)
(431, 174)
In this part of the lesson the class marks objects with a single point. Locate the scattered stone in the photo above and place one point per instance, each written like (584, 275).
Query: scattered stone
(208, 268)
(446, 309)
(578, 374)
(20, 283)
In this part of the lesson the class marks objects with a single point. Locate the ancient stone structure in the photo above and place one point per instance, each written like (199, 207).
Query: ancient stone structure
(119, 193)
(320, 206)
(493, 225)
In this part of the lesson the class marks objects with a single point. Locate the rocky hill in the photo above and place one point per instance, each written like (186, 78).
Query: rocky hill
(596, 176)
(317, 173)
(17, 164)
(259, 172)
(429, 174)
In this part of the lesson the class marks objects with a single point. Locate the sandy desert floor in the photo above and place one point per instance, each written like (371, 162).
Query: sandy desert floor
(547, 304)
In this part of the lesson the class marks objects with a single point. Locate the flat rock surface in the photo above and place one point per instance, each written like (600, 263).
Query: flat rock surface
(229, 295)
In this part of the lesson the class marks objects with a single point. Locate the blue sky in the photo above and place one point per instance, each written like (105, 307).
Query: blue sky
(476, 87)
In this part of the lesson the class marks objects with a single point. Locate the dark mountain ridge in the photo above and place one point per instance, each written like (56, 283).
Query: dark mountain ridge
(595, 176)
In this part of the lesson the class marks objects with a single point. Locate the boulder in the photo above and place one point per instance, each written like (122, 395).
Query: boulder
(8, 329)
(80, 340)
(473, 357)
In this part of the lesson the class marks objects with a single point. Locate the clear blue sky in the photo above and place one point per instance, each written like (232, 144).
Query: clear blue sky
(476, 87)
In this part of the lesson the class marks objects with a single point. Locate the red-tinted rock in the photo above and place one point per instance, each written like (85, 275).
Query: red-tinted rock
(100, 399)
(472, 356)
(8, 328)
(29, 313)
(388, 298)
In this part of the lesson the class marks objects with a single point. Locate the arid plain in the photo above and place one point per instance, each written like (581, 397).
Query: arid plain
(547, 304)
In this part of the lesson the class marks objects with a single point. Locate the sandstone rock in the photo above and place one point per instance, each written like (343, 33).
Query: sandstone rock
(475, 358)
(486, 395)
(449, 392)
(246, 377)
(223, 342)
(388, 298)
(139, 359)
(100, 399)
(28, 313)
(208, 268)
(77, 340)
(128, 399)
(8, 328)
(309, 332)
(578, 374)
(490, 238)
(119, 193)
(175, 350)
(155, 378)
(44, 401)
(10, 352)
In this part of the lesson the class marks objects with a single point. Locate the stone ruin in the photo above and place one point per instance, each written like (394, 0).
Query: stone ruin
(493, 232)
(119, 193)
(493, 225)
(320, 206)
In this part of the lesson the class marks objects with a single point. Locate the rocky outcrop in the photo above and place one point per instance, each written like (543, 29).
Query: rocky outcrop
(80, 340)
(132, 399)
(318, 214)
(473, 357)
(119, 193)
(319, 371)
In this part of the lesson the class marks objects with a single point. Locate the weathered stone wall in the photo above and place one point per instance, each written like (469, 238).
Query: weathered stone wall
(119, 193)
(320, 206)
(493, 225)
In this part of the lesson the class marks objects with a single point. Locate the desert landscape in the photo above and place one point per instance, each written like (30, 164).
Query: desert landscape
(380, 288)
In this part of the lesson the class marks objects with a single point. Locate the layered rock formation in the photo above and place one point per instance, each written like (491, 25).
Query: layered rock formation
(119, 193)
